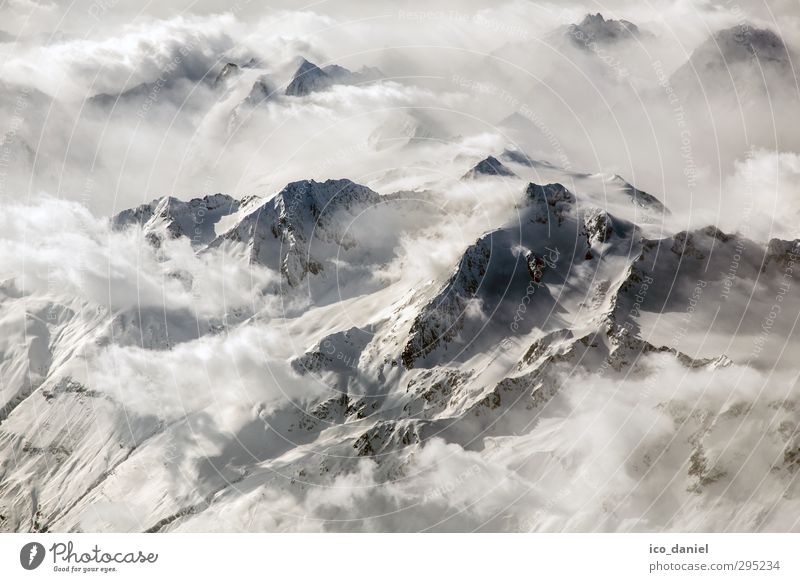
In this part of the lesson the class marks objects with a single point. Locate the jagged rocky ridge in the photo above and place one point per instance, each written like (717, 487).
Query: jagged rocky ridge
(309, 228)
(170, 216)
(309, 78)
(596, 29)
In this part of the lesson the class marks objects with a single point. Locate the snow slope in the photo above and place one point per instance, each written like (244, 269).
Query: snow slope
(551, 360)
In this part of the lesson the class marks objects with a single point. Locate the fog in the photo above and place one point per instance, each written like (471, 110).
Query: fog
(105, 106)
(454, 72)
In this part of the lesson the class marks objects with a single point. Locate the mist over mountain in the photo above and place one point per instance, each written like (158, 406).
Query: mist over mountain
(596, 29)
(429, 268)
(738, 60)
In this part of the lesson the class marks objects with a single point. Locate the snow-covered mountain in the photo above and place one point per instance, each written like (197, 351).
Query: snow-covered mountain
(172, 217)
(309, 78)
(356, 388)
(490, 166)
(598, 45)
(596, 29)
(328, 237)
(230, 71)
(535, 277)
(743, 73)
(742, 61)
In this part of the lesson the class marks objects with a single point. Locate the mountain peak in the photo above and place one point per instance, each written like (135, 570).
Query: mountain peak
(550, 203)
(742, 42)
(261, 91)
(595, 28)
(592, 19)
(307, 79)
(638, 197)
(489, 166)
(229, 71)
(306, 66)
(733, 62)
(304, 214)
(516, 156)
(172, 217)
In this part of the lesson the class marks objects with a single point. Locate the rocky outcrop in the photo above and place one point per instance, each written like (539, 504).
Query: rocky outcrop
(490, 166)
(171, 217)
(309, 78)
(596, 29)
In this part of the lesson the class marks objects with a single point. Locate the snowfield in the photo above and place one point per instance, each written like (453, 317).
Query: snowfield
(306, 369)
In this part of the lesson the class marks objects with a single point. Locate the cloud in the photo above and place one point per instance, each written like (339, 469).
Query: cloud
(761, 196)
(184, 47)
(609, 453)
(229, 377)
(604, 455)
(460, 69)
(58, 249)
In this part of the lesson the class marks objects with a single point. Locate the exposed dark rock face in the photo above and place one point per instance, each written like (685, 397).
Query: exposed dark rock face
(596, 29)
(490, 166)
